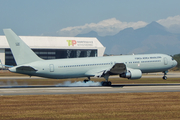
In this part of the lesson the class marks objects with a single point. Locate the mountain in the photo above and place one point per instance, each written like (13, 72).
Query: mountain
(90, 34)
(152, 38)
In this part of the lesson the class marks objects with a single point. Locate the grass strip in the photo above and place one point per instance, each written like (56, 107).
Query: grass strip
(123, 106)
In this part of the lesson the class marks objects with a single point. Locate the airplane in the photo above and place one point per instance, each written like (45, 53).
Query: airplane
(126, 66)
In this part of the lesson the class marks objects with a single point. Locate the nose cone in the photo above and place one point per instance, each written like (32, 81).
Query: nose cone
(174, 63)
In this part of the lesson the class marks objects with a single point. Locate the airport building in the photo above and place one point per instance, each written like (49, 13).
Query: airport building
(54, 47)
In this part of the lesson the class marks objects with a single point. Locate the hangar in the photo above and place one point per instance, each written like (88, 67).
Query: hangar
(48, 47)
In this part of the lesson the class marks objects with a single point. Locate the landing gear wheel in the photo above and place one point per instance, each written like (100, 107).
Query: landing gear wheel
(109, 83)
(106, 83)
(164, 77)
(165, 73)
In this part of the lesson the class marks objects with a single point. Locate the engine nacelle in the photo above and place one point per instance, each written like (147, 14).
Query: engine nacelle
(132, 74)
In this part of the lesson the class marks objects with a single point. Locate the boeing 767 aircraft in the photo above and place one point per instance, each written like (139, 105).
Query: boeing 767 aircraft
(126, 66)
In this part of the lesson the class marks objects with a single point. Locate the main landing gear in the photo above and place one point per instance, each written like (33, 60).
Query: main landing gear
(103, 83)
(106, 83)
(165, 73)
(85, 81)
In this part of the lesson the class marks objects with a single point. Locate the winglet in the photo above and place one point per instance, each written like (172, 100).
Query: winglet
(20, 50)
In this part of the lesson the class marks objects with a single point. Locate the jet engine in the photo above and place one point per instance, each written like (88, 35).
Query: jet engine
(132, 74)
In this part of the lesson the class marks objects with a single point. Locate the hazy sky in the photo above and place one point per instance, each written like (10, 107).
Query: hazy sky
(71, 17)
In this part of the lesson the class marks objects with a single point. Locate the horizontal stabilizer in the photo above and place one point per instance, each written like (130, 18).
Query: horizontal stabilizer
(25, 68)
(9, 66)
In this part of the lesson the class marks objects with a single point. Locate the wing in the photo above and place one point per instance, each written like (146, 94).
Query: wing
(116, 69)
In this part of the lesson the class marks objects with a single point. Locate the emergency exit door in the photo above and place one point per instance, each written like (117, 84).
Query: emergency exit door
(165, 61)
(51, 67)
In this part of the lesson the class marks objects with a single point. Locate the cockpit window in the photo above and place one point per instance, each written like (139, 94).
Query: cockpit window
(172, 59)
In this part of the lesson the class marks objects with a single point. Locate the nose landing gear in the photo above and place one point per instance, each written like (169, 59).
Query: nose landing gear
(165, 73)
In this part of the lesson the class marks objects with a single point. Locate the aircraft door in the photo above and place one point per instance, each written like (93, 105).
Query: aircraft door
(51, 67)
(165, 61)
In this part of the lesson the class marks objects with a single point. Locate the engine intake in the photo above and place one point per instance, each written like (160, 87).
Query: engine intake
(132, 74)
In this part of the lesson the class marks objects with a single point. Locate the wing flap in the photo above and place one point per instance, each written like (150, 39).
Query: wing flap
(118, 68)
(97, 72)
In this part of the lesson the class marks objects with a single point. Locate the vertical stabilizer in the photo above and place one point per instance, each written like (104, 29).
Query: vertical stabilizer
(20, 50)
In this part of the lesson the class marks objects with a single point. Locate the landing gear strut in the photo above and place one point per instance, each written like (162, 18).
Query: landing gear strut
(87, 80)
(165, 73)
(106, 83)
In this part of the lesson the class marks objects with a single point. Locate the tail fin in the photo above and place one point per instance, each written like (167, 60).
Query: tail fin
(20, 50)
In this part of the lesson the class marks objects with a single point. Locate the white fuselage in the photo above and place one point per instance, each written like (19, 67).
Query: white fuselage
(87, 67)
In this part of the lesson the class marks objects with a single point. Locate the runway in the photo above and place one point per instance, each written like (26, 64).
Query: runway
(130, 88)
(121, 88)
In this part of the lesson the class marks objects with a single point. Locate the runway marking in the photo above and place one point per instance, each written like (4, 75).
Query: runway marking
(167, 87)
